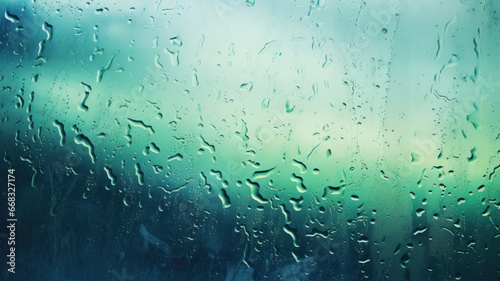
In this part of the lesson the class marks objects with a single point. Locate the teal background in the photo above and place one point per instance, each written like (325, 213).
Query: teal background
(292, 140)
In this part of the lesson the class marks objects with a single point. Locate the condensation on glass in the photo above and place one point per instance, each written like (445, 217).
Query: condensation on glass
(253, 140)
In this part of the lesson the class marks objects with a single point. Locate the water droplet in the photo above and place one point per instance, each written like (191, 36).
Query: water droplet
(176, 41)
(176, 157)
(226, 201)
(176, 189)
(289, 106)
(174, 56)
(34, 178)
(329, 190)
(11, 17)
(396, 250)
(157, 61)
(243, 135)
(262, 174)
(328, 153)
(157, 168)
(82, 106)
(255, 192)
(486, 211)
(405, 259)
(415, 157)
(420, 212)
(297, 203)
(363, 239)
(62, 133)
(419, 230)
(382, 175)
(206, 145)
(300, 183)
(473, 155)
(265, 103)
(47, 28)
(83, 140)
(155, 42)
(249, 3)
(217, 174)
(140, 124)
(102, 70)
(302, 167)
(139, 174)
(194, 79)
(110, 175)
(247, 87)
(475, 118)
(293, 233)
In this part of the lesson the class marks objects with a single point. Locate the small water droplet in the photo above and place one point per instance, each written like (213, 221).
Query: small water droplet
(176, 41)
(249, 3)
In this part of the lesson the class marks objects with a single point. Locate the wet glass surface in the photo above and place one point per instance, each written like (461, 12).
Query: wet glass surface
(251, 140)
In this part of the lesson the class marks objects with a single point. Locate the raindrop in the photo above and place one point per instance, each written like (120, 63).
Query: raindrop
(11, 17)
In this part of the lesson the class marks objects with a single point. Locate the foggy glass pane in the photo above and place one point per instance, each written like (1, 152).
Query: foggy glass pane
(250, 140)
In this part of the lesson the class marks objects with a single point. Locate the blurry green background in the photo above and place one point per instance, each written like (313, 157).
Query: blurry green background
(332, 139)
